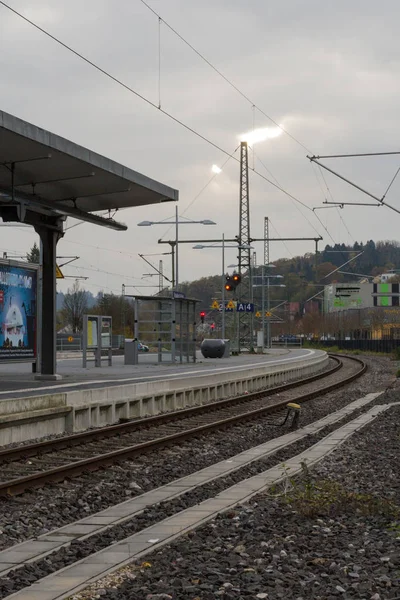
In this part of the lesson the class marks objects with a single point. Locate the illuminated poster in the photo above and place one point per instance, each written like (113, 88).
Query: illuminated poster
(92, 325)
(18, 291)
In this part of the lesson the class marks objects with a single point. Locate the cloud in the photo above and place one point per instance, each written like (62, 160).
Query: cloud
(327, 71)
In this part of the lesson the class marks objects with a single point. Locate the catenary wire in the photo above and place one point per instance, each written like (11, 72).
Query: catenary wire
(228, 81)
(253, 105)
(302, 203)
(279, 236)
(149, 102)
(237, 89)
(202, 190)
(333, 200)
(175, 119)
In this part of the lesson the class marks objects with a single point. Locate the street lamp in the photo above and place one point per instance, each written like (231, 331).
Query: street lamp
(176, 222)
(223, 246)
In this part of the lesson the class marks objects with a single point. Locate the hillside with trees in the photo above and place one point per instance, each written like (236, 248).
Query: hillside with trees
(303, 277)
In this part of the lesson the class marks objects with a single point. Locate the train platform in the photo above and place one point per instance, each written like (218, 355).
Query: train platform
(17, 380)
(94, 397)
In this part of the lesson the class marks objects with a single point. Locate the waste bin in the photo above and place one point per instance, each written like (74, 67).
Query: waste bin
(131, 352)
(212, 348)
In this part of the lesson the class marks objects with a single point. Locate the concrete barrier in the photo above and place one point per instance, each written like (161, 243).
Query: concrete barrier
(38, 416)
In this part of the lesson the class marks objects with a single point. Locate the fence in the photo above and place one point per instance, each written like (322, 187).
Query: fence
(385, 345)
(294, 343)
(71, 344)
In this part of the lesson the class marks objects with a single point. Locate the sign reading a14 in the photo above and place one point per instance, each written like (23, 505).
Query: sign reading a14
(245, 307)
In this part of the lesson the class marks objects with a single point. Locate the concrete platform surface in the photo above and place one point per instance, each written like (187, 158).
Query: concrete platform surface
(16, 380)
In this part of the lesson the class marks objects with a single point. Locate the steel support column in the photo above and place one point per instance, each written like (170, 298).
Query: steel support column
(48, 363)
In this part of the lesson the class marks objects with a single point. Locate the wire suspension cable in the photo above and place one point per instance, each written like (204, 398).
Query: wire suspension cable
(391, 183)
(149, 102)
(224, 77)
(159, 62)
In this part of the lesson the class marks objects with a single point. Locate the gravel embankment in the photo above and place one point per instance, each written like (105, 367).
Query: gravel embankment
(39, 511)
(336, 536)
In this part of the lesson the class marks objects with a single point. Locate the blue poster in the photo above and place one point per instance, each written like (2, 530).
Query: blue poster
(18, 291)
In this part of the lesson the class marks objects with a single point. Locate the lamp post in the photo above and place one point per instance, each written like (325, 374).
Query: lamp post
(176, 222)
(223, 246)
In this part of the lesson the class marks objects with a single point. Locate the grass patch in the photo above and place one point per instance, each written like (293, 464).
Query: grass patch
(312, 498)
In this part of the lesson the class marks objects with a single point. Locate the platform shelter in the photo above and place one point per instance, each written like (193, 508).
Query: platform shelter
(44, 179)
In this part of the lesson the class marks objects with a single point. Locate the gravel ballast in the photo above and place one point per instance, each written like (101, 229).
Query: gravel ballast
(297, 547)
(38, 512)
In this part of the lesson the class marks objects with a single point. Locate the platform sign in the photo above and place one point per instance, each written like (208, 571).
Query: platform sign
(268, 314)
(258, 314)
(215, 305)
(245, 307)
(18, 302)
(59, 273)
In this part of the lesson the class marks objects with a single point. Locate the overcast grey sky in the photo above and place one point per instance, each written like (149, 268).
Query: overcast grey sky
(327, 71)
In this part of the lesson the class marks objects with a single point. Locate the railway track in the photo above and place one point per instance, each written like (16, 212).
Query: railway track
(34, 465)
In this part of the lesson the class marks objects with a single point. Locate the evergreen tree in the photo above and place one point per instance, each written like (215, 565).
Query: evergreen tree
(33, 256)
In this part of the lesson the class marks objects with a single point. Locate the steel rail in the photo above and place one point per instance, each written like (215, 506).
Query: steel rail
(76, 439)
(18, 486)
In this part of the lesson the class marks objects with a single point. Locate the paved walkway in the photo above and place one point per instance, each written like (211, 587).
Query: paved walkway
(77, 576)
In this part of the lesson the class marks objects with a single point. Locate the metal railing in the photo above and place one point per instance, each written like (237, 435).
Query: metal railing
(287, 343)
(63, 345)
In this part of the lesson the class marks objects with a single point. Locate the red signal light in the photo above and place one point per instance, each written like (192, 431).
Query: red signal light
(202, 315)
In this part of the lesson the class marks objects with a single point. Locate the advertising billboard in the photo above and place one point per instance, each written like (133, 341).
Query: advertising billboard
(18, 301)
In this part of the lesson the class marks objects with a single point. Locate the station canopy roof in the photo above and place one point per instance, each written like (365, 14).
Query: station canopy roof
(56, 177)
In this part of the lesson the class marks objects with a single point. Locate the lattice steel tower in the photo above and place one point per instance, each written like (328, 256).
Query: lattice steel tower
(245, 328)
(266, 241)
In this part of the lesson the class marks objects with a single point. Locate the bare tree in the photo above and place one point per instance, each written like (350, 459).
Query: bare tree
(74, 307)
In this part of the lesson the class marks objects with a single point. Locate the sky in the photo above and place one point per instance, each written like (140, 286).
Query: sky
(327, 72)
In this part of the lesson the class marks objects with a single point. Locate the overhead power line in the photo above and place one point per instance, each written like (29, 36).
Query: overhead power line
(224, 77)
(146, 100)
